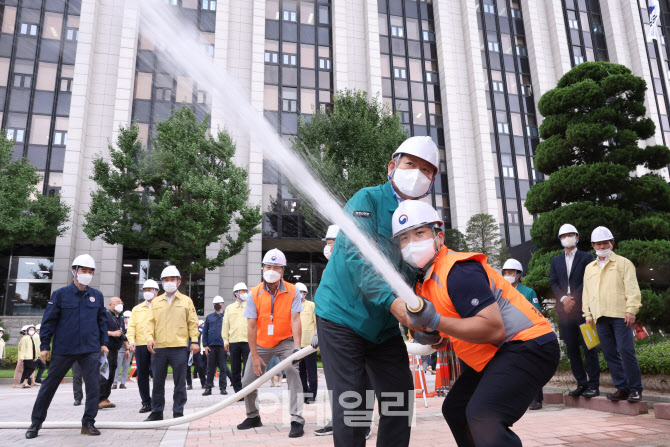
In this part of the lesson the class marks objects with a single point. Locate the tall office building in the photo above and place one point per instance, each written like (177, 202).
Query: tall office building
(468, 73)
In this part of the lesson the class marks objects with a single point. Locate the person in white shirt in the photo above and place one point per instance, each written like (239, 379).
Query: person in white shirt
(567, 282)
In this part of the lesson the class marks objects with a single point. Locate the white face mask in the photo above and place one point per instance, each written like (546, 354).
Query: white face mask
(604, 253)
(327, 250)
(149, 296)
(31, 333)
(418, 254)
(411, 182)
(511, 279)
(569, 241)
(243, 296)
(271, 276)
(118, 308)
(170, 287)
(84, 278)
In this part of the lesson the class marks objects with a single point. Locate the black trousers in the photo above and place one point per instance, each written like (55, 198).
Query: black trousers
(89, 365)
(481, 407)
(217, 358)
(143, 358)
(200, 363)
(28, 368)
(572, 336)
(346, 357)
(106, 384)
(178, 359)
(239, 352)
(77, 380)
(40, 370)
(308, 375)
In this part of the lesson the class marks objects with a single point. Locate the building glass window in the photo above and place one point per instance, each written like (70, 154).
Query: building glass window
(586, 35)
(509, 90)
(28, 287)
(410, 80)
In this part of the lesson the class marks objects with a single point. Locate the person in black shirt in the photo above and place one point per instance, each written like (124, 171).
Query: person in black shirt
(116, 330)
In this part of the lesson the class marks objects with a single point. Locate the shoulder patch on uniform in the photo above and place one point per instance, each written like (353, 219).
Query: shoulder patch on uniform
(367, 214)
(474, 302)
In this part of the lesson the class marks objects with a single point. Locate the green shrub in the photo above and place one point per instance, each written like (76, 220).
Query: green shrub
(653, 355)
(11, 357)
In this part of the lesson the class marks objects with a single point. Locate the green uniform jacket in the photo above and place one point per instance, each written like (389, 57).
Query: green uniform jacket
(530, 295)
(351, 292)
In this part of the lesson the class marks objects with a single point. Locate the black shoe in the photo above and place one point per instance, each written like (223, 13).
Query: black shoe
(87, 428)
(188, 388)
(634, 396)
(618, 395)
(177, 415)
(310, 400)
(250, 423)
(296, 430)
(154, 416)
(77, 402)
(591, 392)
(208, 392)
(325, 431)
(145, 409)
(33, 430)
(38, 380)
(114, 386)
(577, 392)
(535, 405)
(224, 392)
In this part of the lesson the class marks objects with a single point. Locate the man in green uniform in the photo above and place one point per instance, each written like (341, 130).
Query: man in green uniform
(512, 271)
(358, 312)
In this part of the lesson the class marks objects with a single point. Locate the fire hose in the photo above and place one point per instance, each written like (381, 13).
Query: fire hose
(286, 363)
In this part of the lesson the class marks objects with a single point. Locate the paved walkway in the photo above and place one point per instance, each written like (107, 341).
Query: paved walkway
(555, 425)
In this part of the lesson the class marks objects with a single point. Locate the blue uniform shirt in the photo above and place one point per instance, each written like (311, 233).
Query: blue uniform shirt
(75, 320)
(351, 292)
(211, 335)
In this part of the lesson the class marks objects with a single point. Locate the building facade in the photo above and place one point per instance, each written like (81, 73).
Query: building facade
(468, 73)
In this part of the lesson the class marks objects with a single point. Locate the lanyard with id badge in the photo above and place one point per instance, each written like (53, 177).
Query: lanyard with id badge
(271, 326)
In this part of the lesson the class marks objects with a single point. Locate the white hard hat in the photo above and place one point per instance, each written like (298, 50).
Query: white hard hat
(39, 325)
(601, 234)
(274, 257)
(512, 264)
(332, 232)
(2, 329)
(567, 228)
(150, 284)
(300, 286)
(24, 328)
(126, 314)
(422, 147)
(84, 261)
(30, 325)
(170, 270)
(217, 299)
(412, 214)
(240, 286)
(201, 322)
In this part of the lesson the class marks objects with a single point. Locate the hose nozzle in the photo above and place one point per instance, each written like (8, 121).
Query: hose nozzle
(416, 310)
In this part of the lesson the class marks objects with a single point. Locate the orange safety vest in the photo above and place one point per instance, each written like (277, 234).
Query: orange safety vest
(522, 320)
(281, 317)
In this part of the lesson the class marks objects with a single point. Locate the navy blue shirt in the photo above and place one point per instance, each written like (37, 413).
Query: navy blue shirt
(469, 288)
(211, 336)
(75, 320)
(114, 323)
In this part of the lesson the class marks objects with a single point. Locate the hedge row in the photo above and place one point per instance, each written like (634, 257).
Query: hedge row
(653, 354)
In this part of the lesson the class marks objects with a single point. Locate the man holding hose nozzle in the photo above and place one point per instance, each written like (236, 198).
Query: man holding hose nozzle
(358, 312)
(508, 347)
(273, 328)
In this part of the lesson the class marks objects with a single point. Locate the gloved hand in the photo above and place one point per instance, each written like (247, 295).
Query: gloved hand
(427, 338)
(426, 317)
(315, 341)
(295, 362)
